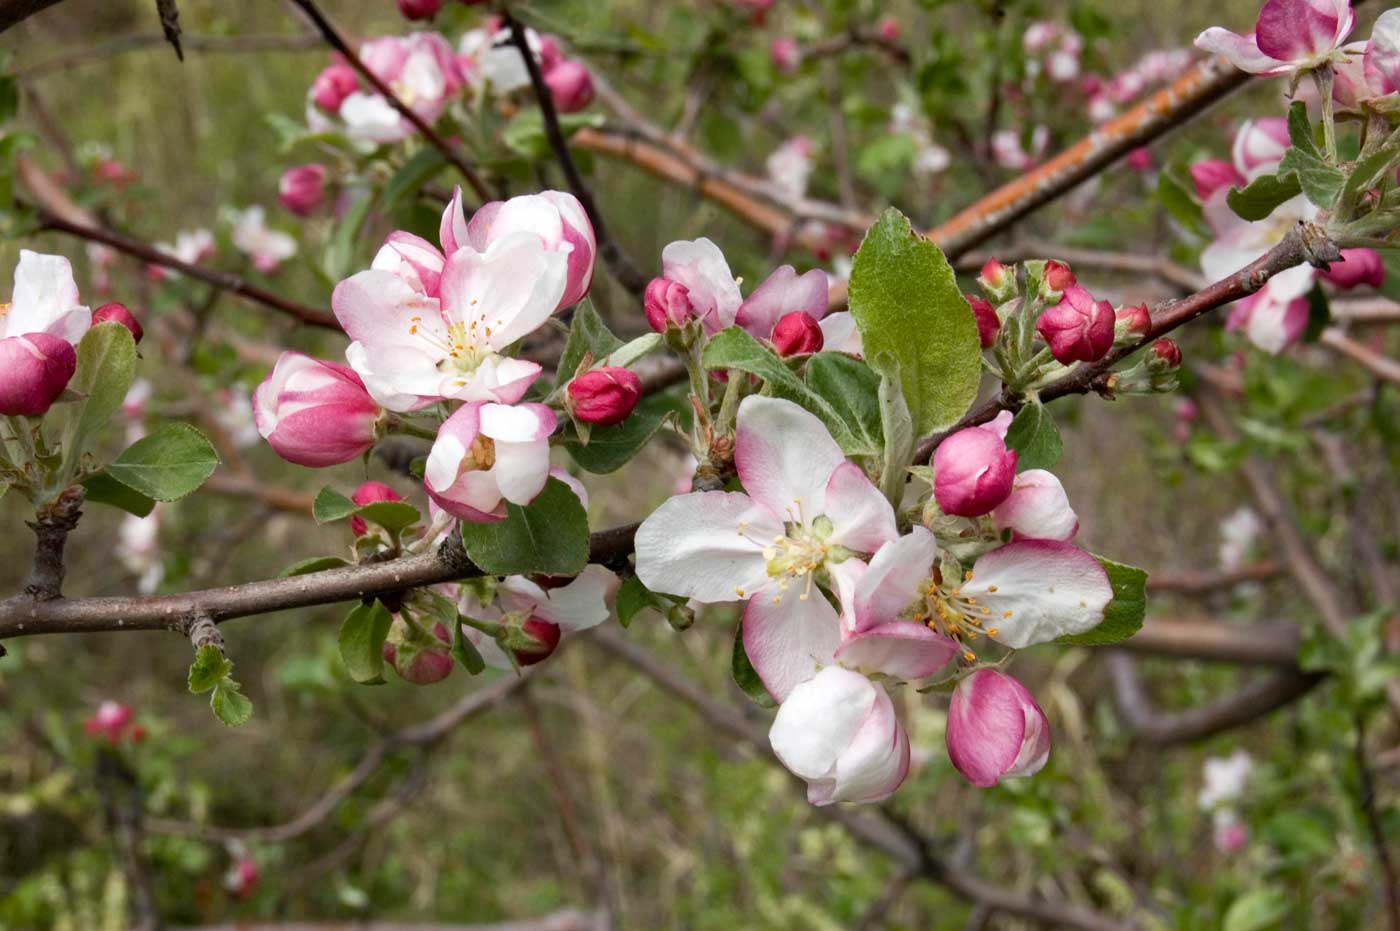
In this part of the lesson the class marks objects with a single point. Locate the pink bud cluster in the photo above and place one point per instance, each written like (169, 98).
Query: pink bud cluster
(114, 723)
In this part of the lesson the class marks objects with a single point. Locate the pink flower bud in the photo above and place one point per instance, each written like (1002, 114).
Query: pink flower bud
(604, 396)
(302, 189)
(242, 879)
(315, 413)
(1356, 267)
(368, 493)
(1165, 354)
(888, 29)
(34, 370)
(419, 9)
(1214, 174)
(987, 322)
(427, 666)
(1140, 159)
(1079, 328)
(333, 85)
(972, 472)
(997, 281)
(548, 53)
(110, 721)
(1132, 322)
(797, 333)
(1230, 837)
(667, 304)
(117, 313)
(546, 636)
(995, 729)
(1058, 277)
(785, 53)
(570, 85)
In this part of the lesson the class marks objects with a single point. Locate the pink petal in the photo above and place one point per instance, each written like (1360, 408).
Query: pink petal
(784, 455)
(863, 518)
(788, 638)
(903, 649)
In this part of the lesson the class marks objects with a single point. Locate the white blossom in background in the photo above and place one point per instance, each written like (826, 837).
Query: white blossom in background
(266, 247)
(138, 549)
(1238, 533)
(790, 167)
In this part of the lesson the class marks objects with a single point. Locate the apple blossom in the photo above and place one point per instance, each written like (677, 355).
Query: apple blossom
(1164, 354)
(242, 878)
(556, 218)
(427, 663)
(1356, 267)
(333, 85)
(34, 371)
(110, 721)
(838, 731)
(1289, 36)
(988, 324)
(419, 9)
(315, 413)
(1057, 277)
(805, 515)
(973, 472)
(888, 29)
(782, 293)
(1228, 835)
(797, 333)
(995, 729)
(190, 247)
(487, 454)
(1214, 174)
(1224, 779)
(785, 53)
(420, 69)
(118, 313)
(1078, 328)
(543, 614)
(570, 85)
(37, 331)
(412, 348)
(369, 493)
(701, 268)
(268, 248)
(1238, 534)
(302, 189)
(789, 167)
(605, 396)
(840, 334)
(1037, 508)
(667, 304)
(1273, 318)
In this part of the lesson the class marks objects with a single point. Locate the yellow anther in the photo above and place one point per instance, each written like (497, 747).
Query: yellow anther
(992, 631)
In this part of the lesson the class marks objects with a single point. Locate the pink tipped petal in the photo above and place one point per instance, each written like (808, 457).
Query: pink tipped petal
(874, 765)
(1038, 508)
(995, 729)
(784, 454)
(1037, 590)
(583, 603)
(839, 334)
(707, 545)
(1241, 51)
(892, 582)
(1381, 63)
(45, 299)
(903, 649)
(788, 638)
(381, 310)
(419, 260)
(863, 518)
(505, 293)
(453, 231)
(1302, 31)
(518, 423)
(455, 437)
(702, 269)
(783, 292)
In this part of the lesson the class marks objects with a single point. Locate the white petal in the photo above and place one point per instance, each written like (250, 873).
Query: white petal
(521, 470)
(1038, 590)
(783, 454)
(863, 518)
(892, 582)
(693, 546)
(788, 639)
(820, 719)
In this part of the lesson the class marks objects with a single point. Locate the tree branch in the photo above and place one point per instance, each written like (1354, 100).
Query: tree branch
(1191, 582)
(1272, 644)
(51, 526)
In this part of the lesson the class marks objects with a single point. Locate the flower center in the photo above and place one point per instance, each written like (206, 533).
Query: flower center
(800, 553)
(944, 608)
(465, 347)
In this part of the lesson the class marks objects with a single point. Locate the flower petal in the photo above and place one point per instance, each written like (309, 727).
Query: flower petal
(863, 518)
(506, 292)
(45, 299)
(788, 638)
(784, 454)
(1241, 51)
(820, 719)
(892, 583)
(1037, 590)
(903, 649)
(1037, 508)
(707, 546)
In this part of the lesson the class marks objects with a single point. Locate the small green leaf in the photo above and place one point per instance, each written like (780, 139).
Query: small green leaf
(1256, 911)
(230, 705)
(340, 251)
(393, 516)
(633, 597)
(464, 651)
(1177, 194)
(906, 302)
(1123, 616)
(1368, 172)
(1321, 182)
(550, 536)
(331, 506)
(106, 366)
(362, 642)
(745, 676)
(411, 177)
(103, 489)
(210, 667)
(852, 389)
(587, 334)
(1257, 200)
(314, 564)
(167, 465)
(525, 135)
(1035, 438)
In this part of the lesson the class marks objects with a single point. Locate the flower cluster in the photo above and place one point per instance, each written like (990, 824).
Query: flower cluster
(837, 601)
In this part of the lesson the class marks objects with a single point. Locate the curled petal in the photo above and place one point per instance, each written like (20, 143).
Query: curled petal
(1037, 590)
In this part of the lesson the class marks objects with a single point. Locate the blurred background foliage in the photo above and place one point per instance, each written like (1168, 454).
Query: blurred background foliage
(663, 819)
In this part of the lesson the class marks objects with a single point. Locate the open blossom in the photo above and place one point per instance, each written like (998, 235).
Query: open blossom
(190, 247)
(1371, 69)
(1009, 152)
(267, 247)
(1238, 534)
(702, 270)
(1289, 36)
(838, 731)
(789, 167)
(488, 56)
(1259, 146)
(38, 329)
(487, 454)
(555, 217)
(545, 614)
(1079, 328)
(420, 69)
(973, 470)
(995, 729)
(315, 413)
(1224, 779)
(805, 515)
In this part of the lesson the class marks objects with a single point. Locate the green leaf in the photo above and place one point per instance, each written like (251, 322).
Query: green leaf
(635, 349)
(852, 389)
(167, 465)
(609, 448)
(393, 516)
(525, 135)
(735, 349)
(906, 302)
(633, 597)
(1256, 911)
(106, 365)
(745, 676)
(898, 429)
(230, 705)
(210, 667)
(103, 489)
(1176, 193)
(1035, 438)
(1367, 174)
(9, 97)
(1257, 200)
(362, 642)
(550, 536)
(340, 251)
(411, 177)
(1321, 182)
(587, 334)
(330, 506)
(314, 564)
(464, 651)
(1123, 616)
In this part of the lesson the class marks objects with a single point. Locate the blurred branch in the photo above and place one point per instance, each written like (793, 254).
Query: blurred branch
(170, 24)
(1261, 697)
(13, 12)
(1272, 644)
(893, 837)
(1379, 365)
(566, 920)
(337, 41)
(121, 799)
(1192, 582)
(241, 485)
(618, 263)
(857, 38)
(136, 41)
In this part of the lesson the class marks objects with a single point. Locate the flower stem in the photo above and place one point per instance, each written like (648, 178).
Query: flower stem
(1323, 78)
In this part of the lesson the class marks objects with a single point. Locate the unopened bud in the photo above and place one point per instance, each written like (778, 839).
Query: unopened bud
(797, 333)
(419, 9)
(34, 370)
(1164, 355)
(997, 281)
(333, 85)
(368, 493)
(117, 313)
(570, 85)
(301, 189)
(1055, 280)
(1078, 328)
(1132, 323)
(540, 640)
(667, 304)
(988, 324)
(604, 396)
(785, 53)
(420, 663)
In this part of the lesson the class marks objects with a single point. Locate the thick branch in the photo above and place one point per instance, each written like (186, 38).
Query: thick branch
(1192, 582)
(51, 527)
(337, 41)
(1274, 644)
